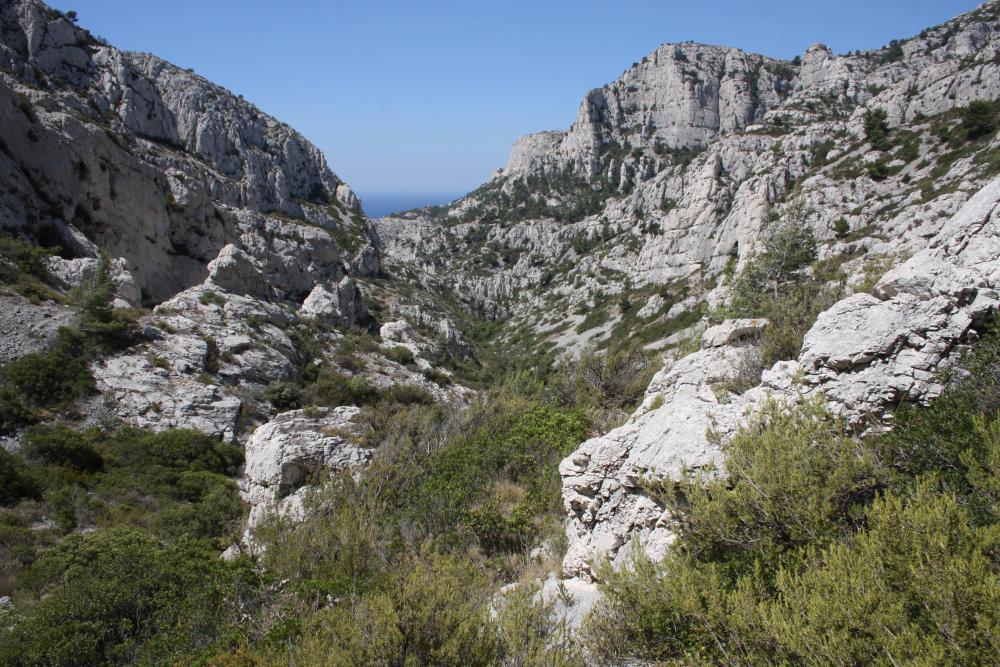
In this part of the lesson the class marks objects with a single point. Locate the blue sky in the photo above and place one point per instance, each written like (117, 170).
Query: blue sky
(427, 96)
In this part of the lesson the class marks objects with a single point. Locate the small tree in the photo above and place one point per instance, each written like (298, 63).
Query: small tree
(96, 311)
(877, 129)
(978, 120)
(785, 251)
(841, 228)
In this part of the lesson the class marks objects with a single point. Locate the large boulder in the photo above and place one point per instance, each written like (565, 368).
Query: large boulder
(340, 304)
(287, 455)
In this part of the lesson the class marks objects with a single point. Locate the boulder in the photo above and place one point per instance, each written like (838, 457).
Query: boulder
(287, 454)
(340, 304)
(733, 331)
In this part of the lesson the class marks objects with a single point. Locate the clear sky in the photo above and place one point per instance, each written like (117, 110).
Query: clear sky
(428, 95)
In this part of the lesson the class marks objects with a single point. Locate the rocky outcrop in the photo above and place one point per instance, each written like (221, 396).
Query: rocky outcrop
(681, 96)
(864, 357)
(342, 304)
(603, 480)
(288, 456)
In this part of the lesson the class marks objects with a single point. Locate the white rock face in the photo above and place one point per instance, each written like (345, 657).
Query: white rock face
(652, 307)
(149, 396)
(601, 479)
(78, 272)
(144, 159)
(340, 305)
(681, 95)
(865, 356)
(779, 143)
(286, 456)
(732, 331)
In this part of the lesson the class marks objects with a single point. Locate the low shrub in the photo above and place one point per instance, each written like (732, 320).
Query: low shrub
(401, 355)
(62, 446)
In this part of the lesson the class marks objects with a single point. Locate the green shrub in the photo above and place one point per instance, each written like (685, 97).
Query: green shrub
(408, 394)
(332, 389)
(59, 445)
(40, 380)
(819, 548)
(979, 120)
(22, 267)
(773, 285)
(877, 129)
(284, 395)
(15, 482)
(176, 449)
(401, 355)
(50, 378)
(436, 376)
(433, 611)
(118, 597)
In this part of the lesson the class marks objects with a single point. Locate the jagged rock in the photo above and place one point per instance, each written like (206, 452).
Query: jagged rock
(396, 332)
(286, 455)
(146, 160)
(81, 271)
(652, 307)
(148, 396)
(732, 331)
(602, 479)
(680, 96)
(682, 221)
(447, 331)
(341, 305)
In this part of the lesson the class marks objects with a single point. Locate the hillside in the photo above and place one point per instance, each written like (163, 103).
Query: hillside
(672, 173)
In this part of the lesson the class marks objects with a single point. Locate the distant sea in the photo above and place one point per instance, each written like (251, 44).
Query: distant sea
(381, 204)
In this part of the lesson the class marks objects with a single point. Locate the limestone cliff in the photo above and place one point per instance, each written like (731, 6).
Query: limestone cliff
(671, 173)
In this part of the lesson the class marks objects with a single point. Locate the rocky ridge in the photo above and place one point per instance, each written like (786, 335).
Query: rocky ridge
(863, 358)
(719, 146)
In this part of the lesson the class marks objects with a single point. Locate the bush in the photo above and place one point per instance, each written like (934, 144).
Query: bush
(119, 597)
(59, 445)
(22, 267)
(978, 120)
(401, 355)
(333, 389)
(773, 285)
(40, 380)
(818, 548)
(43, 379)
(15, 482)
(434, 611)
(408, 394)
(877, 129)
(177, 449)
(284, 395)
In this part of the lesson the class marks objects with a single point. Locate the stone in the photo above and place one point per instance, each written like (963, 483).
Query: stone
(342, 304)
(652, 307)
(286, 455)
(733, 331)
